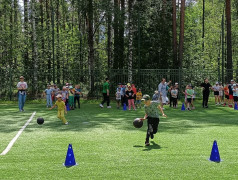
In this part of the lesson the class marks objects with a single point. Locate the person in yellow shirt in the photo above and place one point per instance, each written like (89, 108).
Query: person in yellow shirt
(138, 98)
(61, 109)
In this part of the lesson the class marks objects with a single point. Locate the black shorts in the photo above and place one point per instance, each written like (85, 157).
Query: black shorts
(216, 93)
(235, 98)
(189, 100)
(227, 96)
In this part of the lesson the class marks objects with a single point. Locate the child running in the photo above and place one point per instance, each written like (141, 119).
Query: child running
(152, 115)
(61, 109)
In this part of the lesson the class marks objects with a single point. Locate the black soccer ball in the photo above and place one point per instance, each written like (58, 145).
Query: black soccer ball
(138, 123)
(40, 120)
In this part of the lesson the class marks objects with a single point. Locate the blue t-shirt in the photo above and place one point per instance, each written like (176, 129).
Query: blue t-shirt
(48, 91)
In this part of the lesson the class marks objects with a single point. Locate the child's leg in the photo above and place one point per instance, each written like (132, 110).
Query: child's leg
(61, 116)
(132, 101)
(129, 104)
(155, 125)
(174, 102)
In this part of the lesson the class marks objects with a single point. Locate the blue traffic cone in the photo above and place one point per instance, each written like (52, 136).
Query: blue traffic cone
(215, 156)
(235, 106)
(70, 160)
(124, 107)
(183, 107)
(67, 107)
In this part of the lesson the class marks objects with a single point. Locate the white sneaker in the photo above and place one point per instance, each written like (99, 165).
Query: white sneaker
(66, 123)
(101, 105)
(109, 107)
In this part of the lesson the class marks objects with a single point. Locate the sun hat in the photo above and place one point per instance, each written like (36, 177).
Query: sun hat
(59, 96)
(21, 77)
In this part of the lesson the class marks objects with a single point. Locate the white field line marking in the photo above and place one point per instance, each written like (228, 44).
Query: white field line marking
(17, 136)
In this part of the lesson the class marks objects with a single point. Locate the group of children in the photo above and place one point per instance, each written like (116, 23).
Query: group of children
(127, 95)
(68, 96)
(231, 93)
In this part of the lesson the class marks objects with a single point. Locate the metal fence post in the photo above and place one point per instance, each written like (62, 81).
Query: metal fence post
(10, 84)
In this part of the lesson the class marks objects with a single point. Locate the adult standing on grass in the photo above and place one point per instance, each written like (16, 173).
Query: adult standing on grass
(206, 91)
(22, 87)
(105, 93)
(162, 89)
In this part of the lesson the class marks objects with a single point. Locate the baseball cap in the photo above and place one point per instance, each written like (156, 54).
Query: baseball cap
(176, 83)
(217, 82)
(21, 77)
(146, 97)
(70, 87)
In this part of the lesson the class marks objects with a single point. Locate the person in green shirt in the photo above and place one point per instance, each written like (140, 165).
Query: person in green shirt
(152, 115)
(105, 92)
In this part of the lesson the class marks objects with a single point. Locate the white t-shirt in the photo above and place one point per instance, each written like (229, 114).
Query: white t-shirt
(22, 85)
(216, 88)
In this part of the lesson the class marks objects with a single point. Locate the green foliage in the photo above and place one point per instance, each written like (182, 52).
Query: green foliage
(62, 28)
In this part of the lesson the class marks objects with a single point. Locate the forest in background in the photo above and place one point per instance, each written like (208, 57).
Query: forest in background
(48, 41)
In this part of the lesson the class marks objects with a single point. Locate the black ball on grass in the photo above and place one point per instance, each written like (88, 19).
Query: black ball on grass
(40, 120)
(138, 123)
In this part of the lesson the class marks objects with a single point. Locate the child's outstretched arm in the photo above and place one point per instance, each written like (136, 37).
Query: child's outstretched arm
(161, 110)
(145, 117)
(52, 107)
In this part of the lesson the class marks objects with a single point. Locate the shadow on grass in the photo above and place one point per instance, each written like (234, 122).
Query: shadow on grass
(152, 146)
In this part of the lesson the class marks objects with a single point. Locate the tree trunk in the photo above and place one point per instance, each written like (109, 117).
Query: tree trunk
(121, 35)
(175, 43)
(130, 38)
(116, 34)
(58, 42)
(91, 44)
(48, 53)
(34, 48)
(181, 36)
(229, 43)
(26, 24)
(42, 36)
(109, 35)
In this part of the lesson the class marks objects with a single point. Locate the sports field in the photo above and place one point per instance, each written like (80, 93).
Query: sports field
(107, 146)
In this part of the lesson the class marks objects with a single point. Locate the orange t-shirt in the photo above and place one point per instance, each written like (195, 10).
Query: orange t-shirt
(226, 90)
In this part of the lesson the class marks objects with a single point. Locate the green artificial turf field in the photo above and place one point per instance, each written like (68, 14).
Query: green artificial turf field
(107, 146)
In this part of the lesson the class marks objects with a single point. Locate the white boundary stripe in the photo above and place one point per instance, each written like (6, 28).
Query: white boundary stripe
(17, 136)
